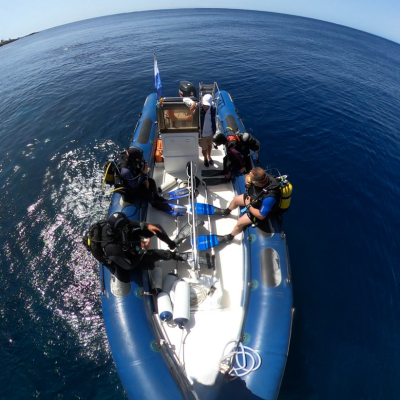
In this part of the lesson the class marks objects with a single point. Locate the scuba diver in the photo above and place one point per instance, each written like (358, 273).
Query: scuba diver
(132, 174)
(235, 158)
(133, 170)
(262, 198)
(122, 243)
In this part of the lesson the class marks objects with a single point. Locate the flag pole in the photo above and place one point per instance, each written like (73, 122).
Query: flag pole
(157, 78)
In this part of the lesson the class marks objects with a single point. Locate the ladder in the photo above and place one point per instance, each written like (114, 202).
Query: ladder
(208, 88)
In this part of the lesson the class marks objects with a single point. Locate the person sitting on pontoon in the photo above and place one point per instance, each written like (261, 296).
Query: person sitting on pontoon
(133, 170)
(262, 198)
(123, 244)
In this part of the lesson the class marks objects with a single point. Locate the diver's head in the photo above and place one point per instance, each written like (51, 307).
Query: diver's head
(219, 138)
(117, 221)
(135, 153)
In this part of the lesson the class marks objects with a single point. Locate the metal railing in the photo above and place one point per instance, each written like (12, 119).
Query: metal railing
(192, 184)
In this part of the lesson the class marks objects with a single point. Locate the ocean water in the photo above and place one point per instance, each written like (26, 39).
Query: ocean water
(324, 102)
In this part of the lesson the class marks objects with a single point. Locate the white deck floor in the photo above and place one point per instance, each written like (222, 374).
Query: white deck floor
(208, 332)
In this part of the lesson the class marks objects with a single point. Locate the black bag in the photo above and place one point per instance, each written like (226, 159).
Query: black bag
(92, 242)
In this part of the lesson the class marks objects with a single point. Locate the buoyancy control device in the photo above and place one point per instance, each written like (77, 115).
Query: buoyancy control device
(242, 140)
(93, 243)
(131, 158)
(285, 189)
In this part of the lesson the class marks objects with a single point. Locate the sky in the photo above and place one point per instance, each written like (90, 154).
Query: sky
(22, 17)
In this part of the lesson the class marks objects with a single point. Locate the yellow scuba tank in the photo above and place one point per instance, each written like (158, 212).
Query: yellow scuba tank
(286, 194)
(109, 169)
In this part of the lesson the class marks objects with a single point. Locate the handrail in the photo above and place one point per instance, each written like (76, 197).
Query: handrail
(192, 201)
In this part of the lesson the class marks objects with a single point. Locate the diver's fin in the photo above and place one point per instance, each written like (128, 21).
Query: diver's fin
(176, 194)
(215, 181)
(184, 233)
(208, 209)
(169, 208)
(207, 241)
(212, 172)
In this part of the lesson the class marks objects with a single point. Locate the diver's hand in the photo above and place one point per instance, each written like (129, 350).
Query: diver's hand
(145, 243)
(153, 229)
(193, 107)
(145, 168)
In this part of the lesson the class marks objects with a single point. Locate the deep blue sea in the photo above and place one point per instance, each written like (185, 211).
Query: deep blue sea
(324, 101)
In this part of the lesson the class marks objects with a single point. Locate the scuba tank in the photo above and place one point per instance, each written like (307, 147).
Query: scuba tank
(243, 139)
(251, 142)
(109, 170)
(286, 189)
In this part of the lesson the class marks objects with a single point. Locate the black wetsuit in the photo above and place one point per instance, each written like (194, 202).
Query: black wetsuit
(123, 248)
(130, 172)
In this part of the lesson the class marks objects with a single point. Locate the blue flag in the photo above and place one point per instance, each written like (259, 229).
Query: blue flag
(157, 79)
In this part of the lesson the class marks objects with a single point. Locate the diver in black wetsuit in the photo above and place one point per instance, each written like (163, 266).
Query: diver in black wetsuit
(122, 243)
(133, 170)
(235, 155)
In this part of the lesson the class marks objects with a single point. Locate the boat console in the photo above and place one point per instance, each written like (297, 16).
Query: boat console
(179, 131)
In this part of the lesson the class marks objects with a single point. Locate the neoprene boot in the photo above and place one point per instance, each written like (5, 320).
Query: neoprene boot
(172, 244)
(180, 256)
(226, 212)
(226, 238)
(205, 259)
(220, 211)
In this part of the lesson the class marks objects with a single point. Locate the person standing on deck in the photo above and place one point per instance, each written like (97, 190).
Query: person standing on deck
(208, 128)
(208, 125)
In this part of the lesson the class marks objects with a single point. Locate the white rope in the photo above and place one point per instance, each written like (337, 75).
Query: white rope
(241, 355)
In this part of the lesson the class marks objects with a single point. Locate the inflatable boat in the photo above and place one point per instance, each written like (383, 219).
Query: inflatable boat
(217, 326)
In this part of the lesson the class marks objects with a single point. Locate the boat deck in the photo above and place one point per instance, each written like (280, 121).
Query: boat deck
(201, 344)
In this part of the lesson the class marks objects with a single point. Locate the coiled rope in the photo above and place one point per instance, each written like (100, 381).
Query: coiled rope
(241, 355)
